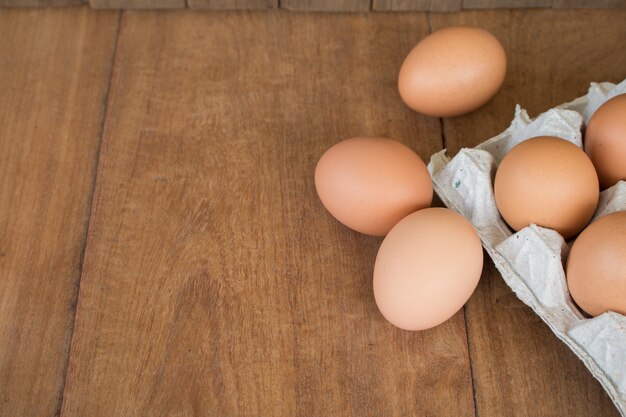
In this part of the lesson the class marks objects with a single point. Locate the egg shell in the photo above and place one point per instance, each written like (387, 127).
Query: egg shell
(452, 71)
(370, 183)
(596, 266)
(427, 267)
(605, 141)
(547, 181)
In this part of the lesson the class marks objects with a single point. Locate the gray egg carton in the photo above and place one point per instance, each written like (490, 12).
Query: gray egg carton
(531, 260)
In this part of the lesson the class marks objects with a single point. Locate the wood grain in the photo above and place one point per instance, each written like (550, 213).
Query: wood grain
(505, 4)
(137, 4)
(326, 5)
(417, 5)
(589, 4)
(232, 4)
(214, 281)
(54, 71)
(40, 3)
(519, 367)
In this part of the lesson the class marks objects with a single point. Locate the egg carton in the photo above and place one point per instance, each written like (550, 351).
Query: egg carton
(531, 260)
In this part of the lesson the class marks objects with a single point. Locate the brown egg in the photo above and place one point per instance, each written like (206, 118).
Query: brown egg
(605, 141)
(370, 184)
(596, 266)
(452, 71)
(426, 268)
(547, 181)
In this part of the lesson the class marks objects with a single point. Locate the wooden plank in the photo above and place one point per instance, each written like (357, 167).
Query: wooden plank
(40, 3)
(54, 70)
(232, 4)
(326, 5)
(589, 4)
(519, 367)
(137, 4)
(214, 280)
(505, 4)
(416, 5)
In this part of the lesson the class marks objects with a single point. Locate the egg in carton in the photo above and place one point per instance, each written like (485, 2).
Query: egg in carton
(531, 260)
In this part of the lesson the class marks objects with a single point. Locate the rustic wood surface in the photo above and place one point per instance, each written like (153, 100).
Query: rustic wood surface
(417, 5)
(326, 5)
(213, 278)
(213, 281)
(499, 4)
(40, 3)
(55, 67)
(136, 4)
(589, 4)
(232, 4)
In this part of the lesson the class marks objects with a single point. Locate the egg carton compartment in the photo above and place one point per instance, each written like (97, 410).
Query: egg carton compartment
(531, 260)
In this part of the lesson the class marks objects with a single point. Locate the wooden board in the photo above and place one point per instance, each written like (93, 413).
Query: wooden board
(137, 4)
(505, 4)
(519, 367)
(323, 5)
(416, 5)
(232, 4)
(215, 283)
(39, 3)
(54, 70)
(589, 4)
(326, 5)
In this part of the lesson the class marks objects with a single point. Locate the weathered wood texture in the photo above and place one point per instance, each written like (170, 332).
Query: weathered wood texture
(54, 72)
(520, 368)
(214, 281)
(40, 3)
(232, 4)
(589, 4)
(505, 4)
(326, 5)
(417, 5)
(137, 4)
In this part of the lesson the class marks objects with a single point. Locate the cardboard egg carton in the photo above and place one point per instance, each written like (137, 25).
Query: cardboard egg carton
(531, 260)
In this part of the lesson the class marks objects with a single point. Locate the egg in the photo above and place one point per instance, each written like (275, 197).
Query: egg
(596, 266)
(427, 267)
(371, 183)
(452, 71)
(605, 141)
(547, 181)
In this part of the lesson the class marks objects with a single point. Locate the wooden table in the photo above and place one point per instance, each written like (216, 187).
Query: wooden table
(162, 248)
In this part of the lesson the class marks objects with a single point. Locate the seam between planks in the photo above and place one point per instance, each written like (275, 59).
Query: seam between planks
(442, 127)
(442, 124)
(86, 235)
(469, 359)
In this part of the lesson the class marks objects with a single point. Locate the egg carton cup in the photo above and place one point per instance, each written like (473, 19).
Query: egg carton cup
(531, 260)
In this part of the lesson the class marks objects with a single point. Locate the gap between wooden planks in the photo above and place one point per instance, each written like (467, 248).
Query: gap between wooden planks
(313, 342)
(54, 73)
